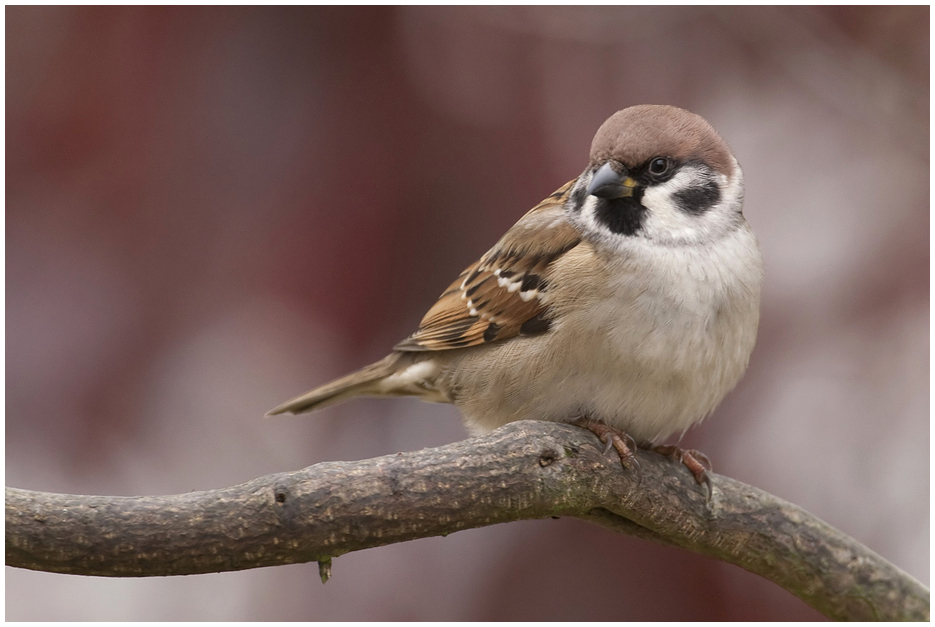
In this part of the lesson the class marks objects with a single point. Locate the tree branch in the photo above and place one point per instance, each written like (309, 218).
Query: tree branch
(524, 470)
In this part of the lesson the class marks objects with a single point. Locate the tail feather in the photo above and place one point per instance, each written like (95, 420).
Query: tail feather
(364, 381)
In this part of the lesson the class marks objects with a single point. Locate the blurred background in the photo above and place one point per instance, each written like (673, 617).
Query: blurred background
(211, 210)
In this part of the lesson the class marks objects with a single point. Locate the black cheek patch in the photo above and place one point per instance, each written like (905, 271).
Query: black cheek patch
(621, 215)
(699, 198)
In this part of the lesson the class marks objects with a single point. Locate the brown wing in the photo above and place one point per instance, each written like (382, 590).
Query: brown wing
(499, 297)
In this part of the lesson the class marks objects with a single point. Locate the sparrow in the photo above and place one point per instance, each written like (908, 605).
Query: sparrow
(627, 302)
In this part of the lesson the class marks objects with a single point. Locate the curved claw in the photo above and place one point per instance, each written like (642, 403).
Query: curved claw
(697, 462)
(612, 438)
(630, 441)
(639, 470)
(707, 482)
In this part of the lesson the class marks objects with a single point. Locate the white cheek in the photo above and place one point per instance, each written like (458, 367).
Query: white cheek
(664, 218)
(665, 221)
(663, 212)
(587, 216)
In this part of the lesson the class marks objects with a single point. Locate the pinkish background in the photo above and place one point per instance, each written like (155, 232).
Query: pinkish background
(210, 210)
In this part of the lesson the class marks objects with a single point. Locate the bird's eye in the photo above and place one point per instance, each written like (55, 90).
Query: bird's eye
(658, 166)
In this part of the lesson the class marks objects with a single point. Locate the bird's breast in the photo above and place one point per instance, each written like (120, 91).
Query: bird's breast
(649, 347)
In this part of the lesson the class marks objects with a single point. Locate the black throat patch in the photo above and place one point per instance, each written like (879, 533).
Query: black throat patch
(621, 215)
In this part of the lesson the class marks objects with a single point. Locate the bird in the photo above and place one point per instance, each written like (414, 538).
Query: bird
(626, 302)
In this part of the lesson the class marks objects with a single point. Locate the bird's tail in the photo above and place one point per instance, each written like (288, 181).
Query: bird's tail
(366, 381)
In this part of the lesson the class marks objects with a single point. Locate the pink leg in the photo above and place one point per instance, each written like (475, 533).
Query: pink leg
(696, 461)
(620, 441)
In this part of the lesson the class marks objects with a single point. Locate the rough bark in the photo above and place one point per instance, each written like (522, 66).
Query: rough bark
(523, 470)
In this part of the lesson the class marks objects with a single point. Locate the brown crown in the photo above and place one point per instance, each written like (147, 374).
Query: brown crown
(636, 134)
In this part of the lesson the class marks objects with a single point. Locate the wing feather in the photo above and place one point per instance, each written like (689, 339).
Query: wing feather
(502, 295)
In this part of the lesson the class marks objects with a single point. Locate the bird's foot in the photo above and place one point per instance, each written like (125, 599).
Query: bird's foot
(613, 438)
(696, 461)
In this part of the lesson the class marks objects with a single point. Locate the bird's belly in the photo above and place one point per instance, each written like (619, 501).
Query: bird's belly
(653, 375)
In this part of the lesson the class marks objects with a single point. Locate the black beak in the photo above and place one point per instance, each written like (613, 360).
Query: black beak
(608, 183)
